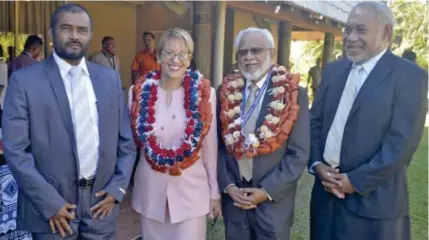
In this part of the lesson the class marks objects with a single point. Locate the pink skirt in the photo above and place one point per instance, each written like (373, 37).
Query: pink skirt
(192, 229)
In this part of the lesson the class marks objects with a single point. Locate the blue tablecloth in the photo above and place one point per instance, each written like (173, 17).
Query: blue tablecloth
(9, 197)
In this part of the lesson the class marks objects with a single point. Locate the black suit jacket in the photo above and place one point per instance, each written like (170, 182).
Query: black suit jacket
(382, 133)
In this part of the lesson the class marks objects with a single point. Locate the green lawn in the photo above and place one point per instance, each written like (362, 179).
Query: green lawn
(418, 187)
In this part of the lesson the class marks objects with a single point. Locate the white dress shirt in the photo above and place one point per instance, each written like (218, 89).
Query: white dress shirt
(64, 68)
(367, 66)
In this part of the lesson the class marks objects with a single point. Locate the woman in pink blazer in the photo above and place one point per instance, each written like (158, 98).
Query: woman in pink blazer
(174, 123)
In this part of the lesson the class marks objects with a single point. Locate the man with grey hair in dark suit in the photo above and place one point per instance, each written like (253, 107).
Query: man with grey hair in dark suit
(67, 138)
(264, 142)
(366, 123)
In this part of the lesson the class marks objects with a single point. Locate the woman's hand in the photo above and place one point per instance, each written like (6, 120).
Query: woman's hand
(215, 209)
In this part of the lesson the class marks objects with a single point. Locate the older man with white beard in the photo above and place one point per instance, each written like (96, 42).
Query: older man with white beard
(264, 141)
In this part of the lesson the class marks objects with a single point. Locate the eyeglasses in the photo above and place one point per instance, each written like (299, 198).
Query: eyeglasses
(183, 56)
(253, 51)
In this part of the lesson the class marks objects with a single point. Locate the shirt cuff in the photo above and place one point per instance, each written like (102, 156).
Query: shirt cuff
(311, 169)
(268, 195)
(225, 189)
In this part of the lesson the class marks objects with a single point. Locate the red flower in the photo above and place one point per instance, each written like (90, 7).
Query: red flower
(150, 119)
(153, 91)
(187, 99)
(188, 113)
(156, 150)
(187, 146)
(189, 130)
(148, 128)
(171, 153)
(151, 110)
(179, 152)
(153, 99)
(191, 122)
(164, 153)
(187, 105)
(152, 142)
(152, 138)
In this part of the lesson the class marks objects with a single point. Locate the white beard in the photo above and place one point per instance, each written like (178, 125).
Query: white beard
(256, 75)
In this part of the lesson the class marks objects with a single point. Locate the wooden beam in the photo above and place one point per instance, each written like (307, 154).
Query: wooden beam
(311, 36)
(295, 18)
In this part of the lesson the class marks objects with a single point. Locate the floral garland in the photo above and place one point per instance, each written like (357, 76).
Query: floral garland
(281, 115)
(198, 112)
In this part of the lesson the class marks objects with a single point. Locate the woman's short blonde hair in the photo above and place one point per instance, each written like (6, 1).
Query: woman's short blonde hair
(175, 33)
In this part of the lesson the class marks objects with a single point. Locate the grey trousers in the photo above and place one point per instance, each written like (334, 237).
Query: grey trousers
(84, 227)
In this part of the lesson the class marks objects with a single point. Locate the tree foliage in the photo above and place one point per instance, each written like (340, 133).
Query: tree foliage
(411, 28)
(411, 32)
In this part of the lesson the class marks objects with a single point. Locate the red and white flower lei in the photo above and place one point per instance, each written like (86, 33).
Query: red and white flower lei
(198, 113)
(282, 114)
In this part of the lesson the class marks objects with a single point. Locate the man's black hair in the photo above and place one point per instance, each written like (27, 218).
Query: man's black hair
(106, 39)
(33, 41)
(68, 8)
(148, 33)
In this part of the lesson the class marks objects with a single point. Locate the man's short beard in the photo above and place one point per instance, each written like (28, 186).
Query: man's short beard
(258, 74)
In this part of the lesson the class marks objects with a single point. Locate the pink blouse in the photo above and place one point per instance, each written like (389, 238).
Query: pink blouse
(189, 194)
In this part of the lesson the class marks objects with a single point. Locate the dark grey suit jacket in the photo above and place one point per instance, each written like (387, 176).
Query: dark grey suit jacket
(382, 133)
(40, 146)
(277, 173)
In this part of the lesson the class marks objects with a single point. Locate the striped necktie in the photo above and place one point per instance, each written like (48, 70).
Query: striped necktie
(335, 135)
(246, 164)
(85, 132)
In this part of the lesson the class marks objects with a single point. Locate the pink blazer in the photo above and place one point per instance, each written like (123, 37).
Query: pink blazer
(189, 194)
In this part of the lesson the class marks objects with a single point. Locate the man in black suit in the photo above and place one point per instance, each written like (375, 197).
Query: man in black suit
(366, 123)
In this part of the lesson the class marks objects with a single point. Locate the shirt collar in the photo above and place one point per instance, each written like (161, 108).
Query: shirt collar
(370, 63)
(65, 66)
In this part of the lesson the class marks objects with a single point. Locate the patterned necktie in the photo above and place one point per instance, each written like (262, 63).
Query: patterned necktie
(85, 132)
(335, 135)
(246, 164)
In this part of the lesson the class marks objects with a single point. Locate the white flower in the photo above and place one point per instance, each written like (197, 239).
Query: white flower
(233, 84)
(282, 77)
(229, 139)
(275, 69)
(269, 117)
(231, 97)
(279, 106)
(264, 128)
(268, 134)
(237, 109)
(230, 113)
(275, 79)
(236, 135)
(255, 144)
(278, 90)
(282, 69)
(273, 104)
(237, 121)
(238, 96)
(240, 82)
(231, 125)
(275, 120)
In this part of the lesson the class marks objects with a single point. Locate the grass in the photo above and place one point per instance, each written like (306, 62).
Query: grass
(418, 189)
